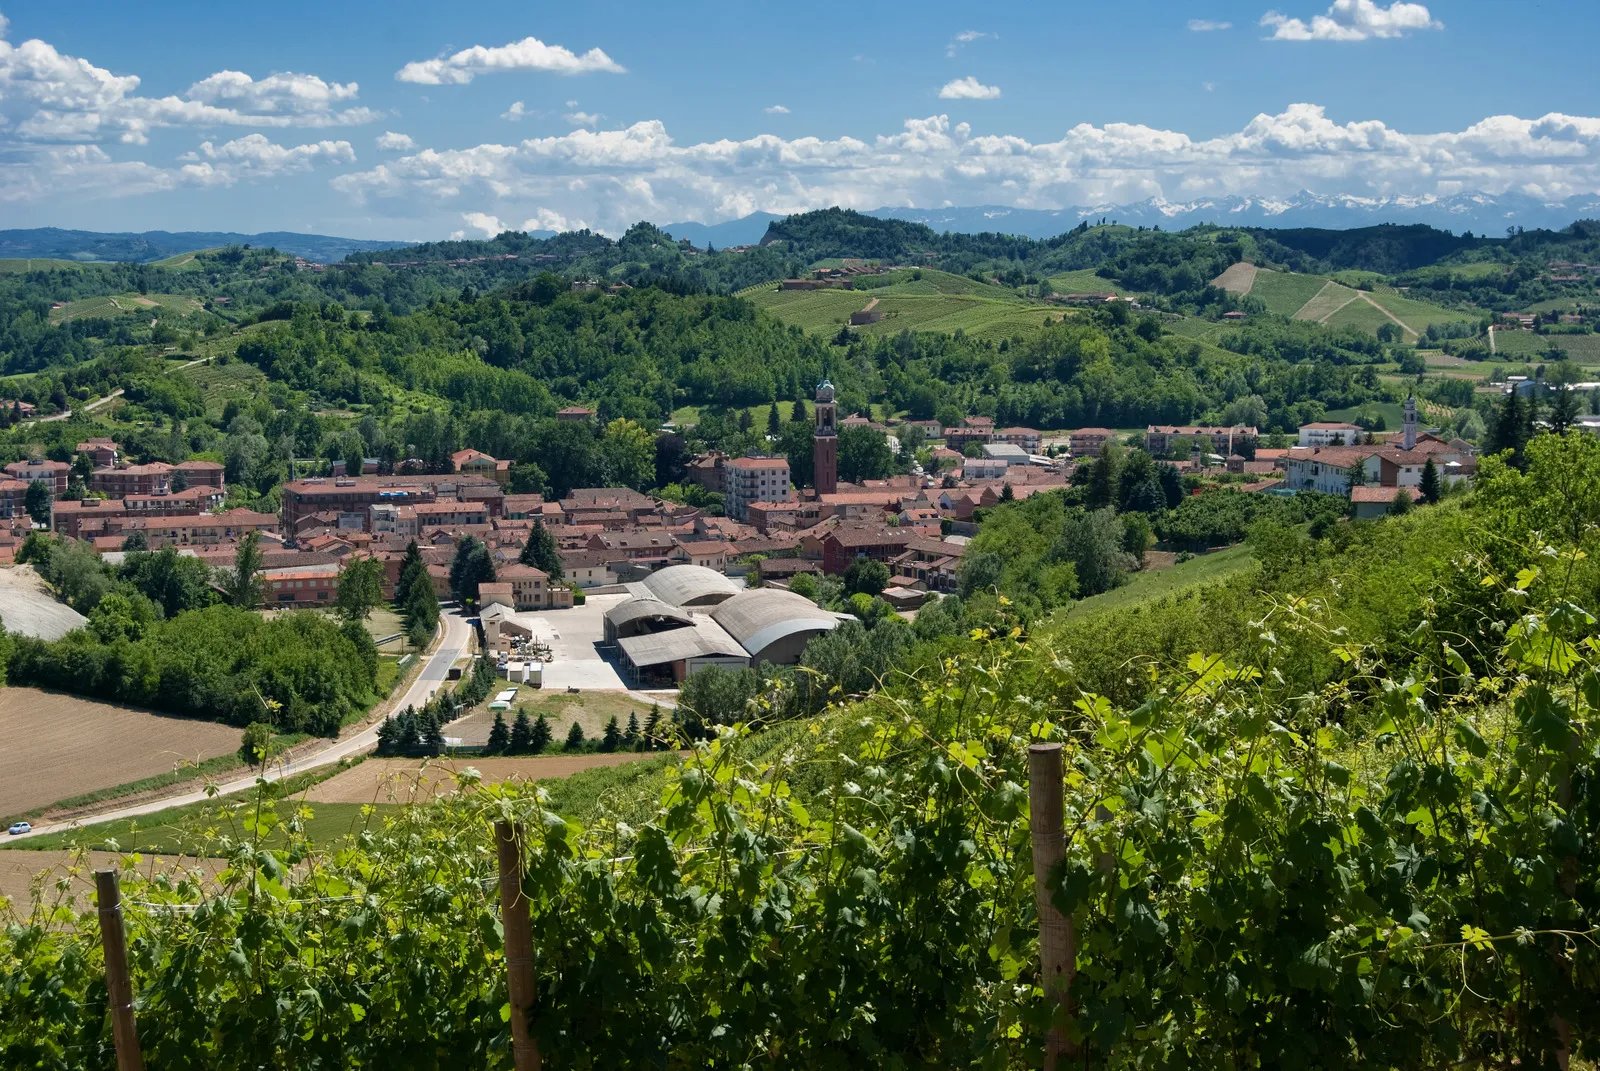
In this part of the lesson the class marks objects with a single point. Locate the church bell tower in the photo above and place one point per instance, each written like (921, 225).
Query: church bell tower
(825, 443)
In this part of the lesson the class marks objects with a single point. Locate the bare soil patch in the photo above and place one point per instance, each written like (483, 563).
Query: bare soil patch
(1238, 279)
(28, 606)
(59, 745)
(1157, 560)
(18, 868)
(401, 780)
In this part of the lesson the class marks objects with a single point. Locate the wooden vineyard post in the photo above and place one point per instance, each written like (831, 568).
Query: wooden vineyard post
(1057, 945)
(518, 928)
(119, 986)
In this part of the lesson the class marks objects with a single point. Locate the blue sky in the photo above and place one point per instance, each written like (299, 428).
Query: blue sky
(418, 121)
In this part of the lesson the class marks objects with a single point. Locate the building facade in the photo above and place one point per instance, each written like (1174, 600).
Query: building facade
(753, 479)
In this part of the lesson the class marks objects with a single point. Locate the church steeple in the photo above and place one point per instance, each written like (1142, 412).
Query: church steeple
(1410, 436)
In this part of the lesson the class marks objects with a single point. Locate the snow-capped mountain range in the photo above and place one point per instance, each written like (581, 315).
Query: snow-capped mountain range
(1481, 213)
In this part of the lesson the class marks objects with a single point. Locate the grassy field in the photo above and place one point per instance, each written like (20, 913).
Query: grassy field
(1284, 293)
(1362, 315)
(1085, 281)
(1584, 349)
(589, 709)
(13, 266)
(910, 306)
(1393, 415)
(60, 746)
(1417, 315)
(1329, 299)
(1146, 586)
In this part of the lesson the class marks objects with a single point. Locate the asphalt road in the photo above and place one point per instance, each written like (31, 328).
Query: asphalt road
(457, 634)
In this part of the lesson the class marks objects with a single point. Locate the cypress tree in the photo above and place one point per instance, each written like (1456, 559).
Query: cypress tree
(1430, 481)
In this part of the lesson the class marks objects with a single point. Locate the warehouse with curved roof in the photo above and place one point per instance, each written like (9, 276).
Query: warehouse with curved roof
(659, 642)
(641, 615)
(773, 625)
(686, 585)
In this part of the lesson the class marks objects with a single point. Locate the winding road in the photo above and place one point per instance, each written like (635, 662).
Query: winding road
(454, 642)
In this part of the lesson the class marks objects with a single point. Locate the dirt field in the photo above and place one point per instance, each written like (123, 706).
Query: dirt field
(1238, 279)
(26, 606)
(62, 745)
(398, 780)
(18, 867)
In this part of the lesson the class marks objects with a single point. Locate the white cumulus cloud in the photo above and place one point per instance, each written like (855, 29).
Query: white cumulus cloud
(1208, 25)
(612, 178)
(589, 119)
(389, 141)
(776, 109)
(515, 112)
(968, 88)
(254, 156)
(528, 54)
(48, 96)
(1353, 20)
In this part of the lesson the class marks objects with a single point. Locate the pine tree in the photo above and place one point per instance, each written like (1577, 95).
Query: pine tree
(499, 736)
(1430, 481)
(540, 550)
(407, 737)
(652, 726)
(1508, 430)
(631, 737)
(774, 428)
(388, 733)
(522, 734)
(575, 737)
(799, 416)
(432, 732)
(1402, 503)
(541, 735)
(613, 736)
(1357, 474)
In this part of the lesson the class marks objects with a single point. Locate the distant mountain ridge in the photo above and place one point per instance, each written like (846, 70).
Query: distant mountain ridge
(1482, 213)
(59, 244)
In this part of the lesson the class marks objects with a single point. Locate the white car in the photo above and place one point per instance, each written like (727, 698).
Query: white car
(20, 828)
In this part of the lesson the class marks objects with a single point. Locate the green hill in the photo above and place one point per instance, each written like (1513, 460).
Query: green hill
(920, 299)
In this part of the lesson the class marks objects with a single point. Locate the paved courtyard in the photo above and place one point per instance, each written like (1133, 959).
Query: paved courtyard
(573, 634)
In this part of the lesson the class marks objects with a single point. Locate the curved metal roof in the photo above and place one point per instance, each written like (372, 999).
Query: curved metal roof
(681, 585)
(760, 617)
(632, 610)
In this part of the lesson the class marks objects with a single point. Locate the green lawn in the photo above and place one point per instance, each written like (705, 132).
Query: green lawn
(1285, 292)
(1148, 586)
